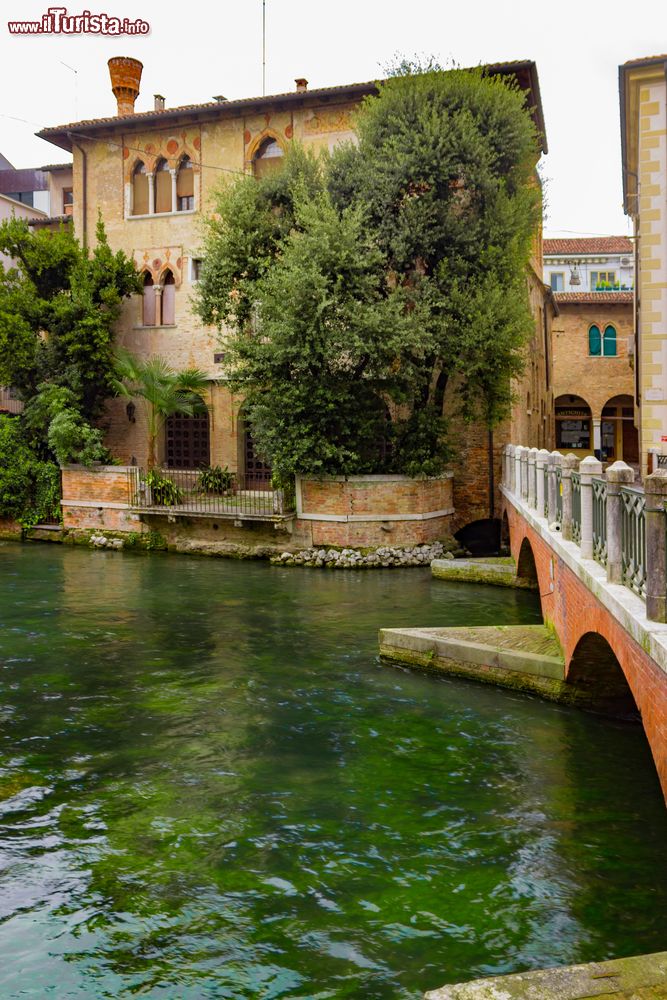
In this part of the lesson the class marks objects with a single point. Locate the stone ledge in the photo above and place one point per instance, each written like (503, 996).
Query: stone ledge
(479, 571)
(642, 977)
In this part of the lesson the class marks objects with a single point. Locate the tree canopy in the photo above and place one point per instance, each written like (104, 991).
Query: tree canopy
(58, 308)
(362, 285)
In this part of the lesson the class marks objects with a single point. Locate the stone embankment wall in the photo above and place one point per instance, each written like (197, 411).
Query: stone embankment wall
(393, 513)
(371, 511)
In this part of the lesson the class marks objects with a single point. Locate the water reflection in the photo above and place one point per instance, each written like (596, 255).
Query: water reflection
(210, 787)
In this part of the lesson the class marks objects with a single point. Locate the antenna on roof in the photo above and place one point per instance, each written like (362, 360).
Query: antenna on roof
(76, 87)
(263, 48)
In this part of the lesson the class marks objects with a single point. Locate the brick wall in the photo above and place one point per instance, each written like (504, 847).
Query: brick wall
(574, 612)
(366, 511)
(97, 499)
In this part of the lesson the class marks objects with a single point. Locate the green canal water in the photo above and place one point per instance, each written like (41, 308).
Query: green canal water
(210, 787)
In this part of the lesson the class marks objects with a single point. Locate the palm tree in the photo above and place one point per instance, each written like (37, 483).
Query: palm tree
(161, 392)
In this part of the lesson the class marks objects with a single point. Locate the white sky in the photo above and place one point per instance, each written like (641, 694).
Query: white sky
(198, 49)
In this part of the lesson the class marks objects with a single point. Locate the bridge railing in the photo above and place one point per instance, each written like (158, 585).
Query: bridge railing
(620, 525)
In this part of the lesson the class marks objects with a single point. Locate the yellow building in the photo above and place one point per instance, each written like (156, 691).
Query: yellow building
(152, 175)
(643, 94)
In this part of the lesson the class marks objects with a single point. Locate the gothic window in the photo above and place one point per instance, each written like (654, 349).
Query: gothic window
(148, 305)
(162, 187)
(185, 186)
(168, 300)
(140, 190)
(268, 158)
(609, 342)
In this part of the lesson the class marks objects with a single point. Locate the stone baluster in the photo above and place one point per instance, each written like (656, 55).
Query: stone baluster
(510, 463)
(532, 456)
(506, 466)
(616, 475)
(569, 465)
(555, 459)
(524, 475)
(655, 487)
(540, 461)
(588, 468)
(517, 470)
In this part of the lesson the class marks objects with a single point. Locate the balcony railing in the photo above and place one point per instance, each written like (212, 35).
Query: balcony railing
(576, 508)
(9, 401)
(187, 492)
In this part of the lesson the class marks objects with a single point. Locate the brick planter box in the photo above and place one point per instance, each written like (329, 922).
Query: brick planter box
(367, 511)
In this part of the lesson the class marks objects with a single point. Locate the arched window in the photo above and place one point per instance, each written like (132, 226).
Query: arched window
(594, 342)
(185, 186)
(168, 300)
(162, 187)
(609, 342)
(148, 306)
(268, 158)
(139, 189)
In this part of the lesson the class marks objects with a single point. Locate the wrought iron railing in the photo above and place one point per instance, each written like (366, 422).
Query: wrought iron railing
(600, 521)
(662, 461)
(576, 508)
(633, 539)
(545, 512)
(203, 492)
(559, 495)
(9, 401)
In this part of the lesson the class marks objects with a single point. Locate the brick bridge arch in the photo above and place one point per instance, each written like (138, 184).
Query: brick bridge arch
(600, 655)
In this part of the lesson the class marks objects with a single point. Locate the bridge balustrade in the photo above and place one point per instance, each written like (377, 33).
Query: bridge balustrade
(620, 525)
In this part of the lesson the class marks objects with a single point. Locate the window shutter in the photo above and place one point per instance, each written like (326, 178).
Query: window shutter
(610, 342)
(594, 341)
(185, 183)
(163, 191)
(140, 198)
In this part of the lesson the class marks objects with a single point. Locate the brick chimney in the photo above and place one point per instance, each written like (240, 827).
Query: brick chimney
(125, 79)
(301, 83)
(159, 102)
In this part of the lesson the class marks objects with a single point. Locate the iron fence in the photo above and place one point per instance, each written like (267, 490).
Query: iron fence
(545, 473)
(203, 492)
(576, 508)
(559, 495)
(600, 521)
(662, 461)
(633, 539)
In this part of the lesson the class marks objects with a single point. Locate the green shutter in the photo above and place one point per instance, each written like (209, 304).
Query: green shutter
(594, 341)
(610, 342)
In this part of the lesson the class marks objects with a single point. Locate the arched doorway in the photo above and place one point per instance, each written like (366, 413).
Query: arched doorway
(595, 670)
(620, 439)
(256, 470)
(574, 425)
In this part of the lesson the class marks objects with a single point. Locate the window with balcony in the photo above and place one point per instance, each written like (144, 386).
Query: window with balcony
(185, 186)
(602, 280)
(140, 189)
(162, 187)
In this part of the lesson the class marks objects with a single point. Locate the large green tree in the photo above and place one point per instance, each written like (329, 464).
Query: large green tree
(58, 308)
(391, 270)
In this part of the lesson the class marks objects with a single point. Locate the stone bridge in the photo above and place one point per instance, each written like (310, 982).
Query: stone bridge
(596, 545)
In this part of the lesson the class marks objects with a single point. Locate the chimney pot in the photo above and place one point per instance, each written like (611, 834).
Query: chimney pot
(125, 75)
(301, 83)
(159, 102)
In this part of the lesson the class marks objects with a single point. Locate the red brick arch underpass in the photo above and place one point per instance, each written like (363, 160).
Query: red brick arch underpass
(595, 643)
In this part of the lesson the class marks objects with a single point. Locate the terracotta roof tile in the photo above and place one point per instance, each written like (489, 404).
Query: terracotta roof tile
(593, 298)
(589, 244)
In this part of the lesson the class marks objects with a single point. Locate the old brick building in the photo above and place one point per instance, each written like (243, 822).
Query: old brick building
(152, 175)
(593, 348)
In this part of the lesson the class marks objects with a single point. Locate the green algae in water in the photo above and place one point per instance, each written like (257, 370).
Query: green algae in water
(209, 787)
